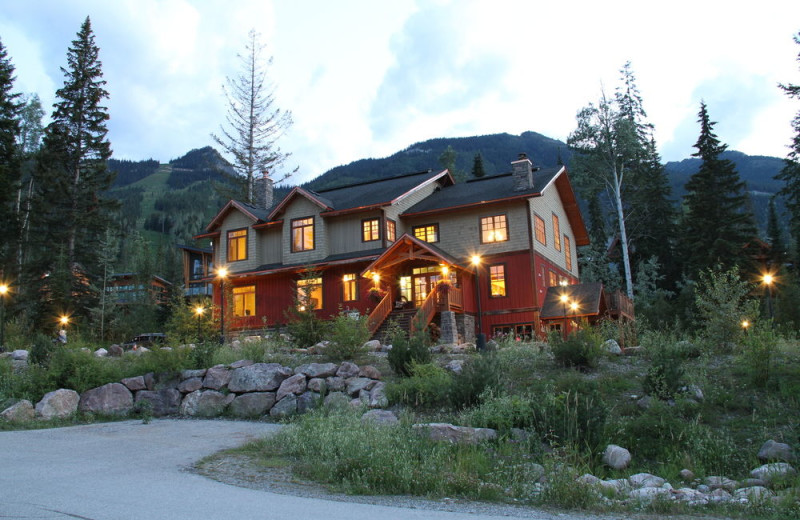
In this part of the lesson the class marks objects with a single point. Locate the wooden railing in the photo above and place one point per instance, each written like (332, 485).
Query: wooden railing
(379, 313)
(620, 305)
(450, 297)
(426, 311)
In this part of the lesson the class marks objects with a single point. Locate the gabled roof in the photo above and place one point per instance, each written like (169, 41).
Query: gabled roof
(498, 189)
(588, 296)
(313, 196)
(408, 248)
(252, 212)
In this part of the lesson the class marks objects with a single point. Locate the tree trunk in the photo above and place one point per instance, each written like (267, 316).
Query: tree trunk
(623, 234)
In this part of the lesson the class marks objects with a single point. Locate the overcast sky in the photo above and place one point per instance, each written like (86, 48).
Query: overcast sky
(366, 78)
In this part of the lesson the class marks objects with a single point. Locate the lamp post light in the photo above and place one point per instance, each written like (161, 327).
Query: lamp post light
(198, 311)
(768, 280)
(480, 343)
(222, 272)
(63, 320)
(745, 325)
(3, 292)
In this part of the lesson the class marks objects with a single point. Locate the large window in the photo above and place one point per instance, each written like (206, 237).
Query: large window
(391, 230)
(370, 230)
(556, 233)
(303, 234)
(497, 280)
(567, 253)
(237, 245)
(428, 233)
(494, 229)
(538, 228)
(244, 301)
(309, 293)
(552, 279)
(350, 287)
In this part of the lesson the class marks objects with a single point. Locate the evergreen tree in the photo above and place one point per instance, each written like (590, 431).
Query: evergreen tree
(716, 223)
(9, 164)
(477, 166)
(70, 212)
(774, 234)
(791, 171)
(254, 124)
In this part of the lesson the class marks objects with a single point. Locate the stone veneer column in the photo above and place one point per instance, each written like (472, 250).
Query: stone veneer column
(466, 327)
(449, 330)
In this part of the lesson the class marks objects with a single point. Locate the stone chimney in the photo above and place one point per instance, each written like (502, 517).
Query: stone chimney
(262, 191)
(522, 170)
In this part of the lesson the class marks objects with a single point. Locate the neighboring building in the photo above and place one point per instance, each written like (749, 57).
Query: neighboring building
(126, 288)
(402, 244)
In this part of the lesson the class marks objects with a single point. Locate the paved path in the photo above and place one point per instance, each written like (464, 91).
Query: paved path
(130, 470)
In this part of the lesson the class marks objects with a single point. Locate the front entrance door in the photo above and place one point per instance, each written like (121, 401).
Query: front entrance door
(423, 285)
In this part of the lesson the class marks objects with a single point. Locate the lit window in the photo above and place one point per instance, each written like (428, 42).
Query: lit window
(349, 284)
(497, 280)
(244, 301)
(391, 230)
(494, 229)
(429, 233)
(567, 253)
(538, 226)
(237, 245)
(370, 230)
(552, 280)
(303, 234)
(309, 293)
(556, 233)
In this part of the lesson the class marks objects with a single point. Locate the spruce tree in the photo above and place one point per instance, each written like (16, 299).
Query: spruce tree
(477, 166)
(9, 164)
(71, 178)
(790, 174)
(774, 235)
(716, 222)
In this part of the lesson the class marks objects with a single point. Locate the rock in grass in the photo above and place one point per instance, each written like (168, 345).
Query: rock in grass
(616, 457)
(772, 451)
(382, 417)
(456, 434)
(109, 399)
(20, 411)
(774, 471)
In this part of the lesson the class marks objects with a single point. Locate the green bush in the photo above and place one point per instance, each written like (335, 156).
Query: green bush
(665, 374)
(41, 350)
(757, 356)
(581, 349)
(501, 412)
(347, 336)
(723, 300)
(428, 385)
(478, 374)
(407, 351)
(202, 355)
(305, 327)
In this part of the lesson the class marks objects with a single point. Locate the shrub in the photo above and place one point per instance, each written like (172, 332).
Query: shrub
(407, 351)
(501, 412)
(41, 350)
(304, 326)
(348, 334)
(479, 373)
(665, 374)
(760, 345)
(427, 386)
(581, 349)
(722, 300)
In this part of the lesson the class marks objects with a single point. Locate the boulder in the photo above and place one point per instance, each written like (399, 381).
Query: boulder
(588, 479)
(295, 384)
(648, 494)
(336, 384)
(101, 352)
(370, 372)
(616, 457)
(612, 347)
(21, 411)
(308, 401)
(455, 366)
(19, 355)
(258, 377)
(372, 345)
(336, 400)
(773, 471)
(772, 451)
(188, 386)
(690, 496)
(317, 370)
(285, 407)
(347, 370)
(456, 434)
(109, 399)
(381, 417)
(166, 380)
(254, 404)
(356, 384)
(753, 494)
(317, 385)
(134, 384)
(717, 482)
(149, 381)
(205, 403)
(217, 377)
(377, 396)
(162, 402)
(645, 480)
(241, 363)
(115, 351)
(686, 475)
(189, 374)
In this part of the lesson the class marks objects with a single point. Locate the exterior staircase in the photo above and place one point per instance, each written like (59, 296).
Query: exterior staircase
(402, 317)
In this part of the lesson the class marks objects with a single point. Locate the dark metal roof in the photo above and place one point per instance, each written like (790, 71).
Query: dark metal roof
(355, 256)
(377, 192)
(483, 190)
(588, 296)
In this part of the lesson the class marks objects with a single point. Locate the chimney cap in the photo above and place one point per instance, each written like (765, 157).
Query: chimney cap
(522, 156)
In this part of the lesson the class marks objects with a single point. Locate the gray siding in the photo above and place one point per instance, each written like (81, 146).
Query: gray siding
(270, 246)
(301, 207)
(236, 220)
(545, 206)
(393, 211)
(345, 233)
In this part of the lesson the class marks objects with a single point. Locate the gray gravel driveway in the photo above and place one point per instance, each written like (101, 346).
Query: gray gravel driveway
(130, 470)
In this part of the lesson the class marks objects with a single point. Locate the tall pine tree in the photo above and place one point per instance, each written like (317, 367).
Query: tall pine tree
(791, 170)
(716, 222)
(70, 209)
(9, 164)
(478, 170)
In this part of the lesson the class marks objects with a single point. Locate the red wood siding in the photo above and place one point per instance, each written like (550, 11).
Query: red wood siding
(543, 267)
